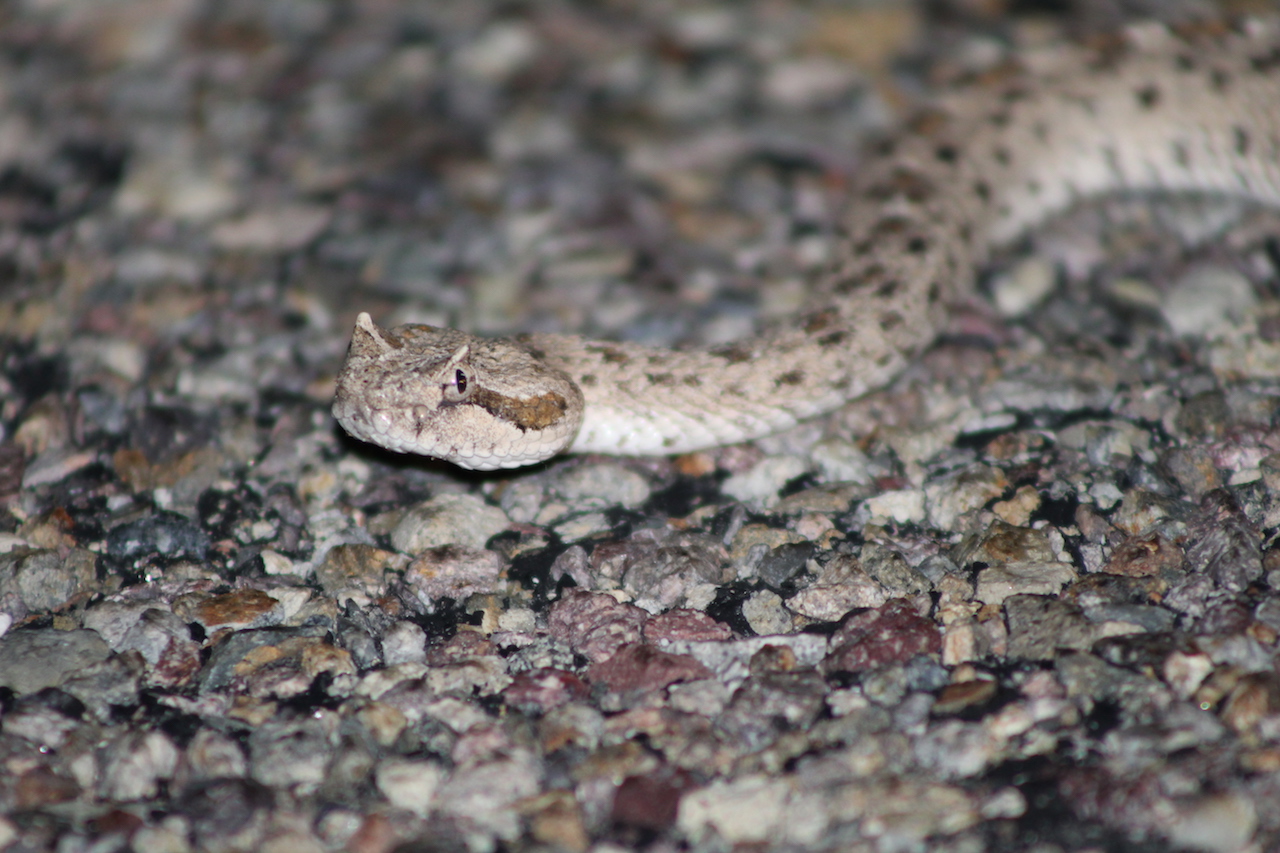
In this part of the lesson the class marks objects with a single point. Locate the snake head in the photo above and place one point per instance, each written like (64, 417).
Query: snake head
(480, 403)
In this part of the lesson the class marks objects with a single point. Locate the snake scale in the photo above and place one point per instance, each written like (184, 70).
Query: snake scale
(1155, 108)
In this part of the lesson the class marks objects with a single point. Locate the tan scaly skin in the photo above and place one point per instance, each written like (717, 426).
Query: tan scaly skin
(1153, 110)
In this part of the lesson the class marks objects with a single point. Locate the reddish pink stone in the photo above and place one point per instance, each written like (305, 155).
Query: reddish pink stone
(651, 801)
(892, 633)
(594, 624)
(688, 625)
(637, 667)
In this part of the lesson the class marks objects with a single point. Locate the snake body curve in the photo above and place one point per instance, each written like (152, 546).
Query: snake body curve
(1153, 109)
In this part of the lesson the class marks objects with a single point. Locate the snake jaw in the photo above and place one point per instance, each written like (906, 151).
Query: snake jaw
(479, 403)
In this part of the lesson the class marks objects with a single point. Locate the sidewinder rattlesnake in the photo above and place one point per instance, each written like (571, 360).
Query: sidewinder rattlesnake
(1193, 110)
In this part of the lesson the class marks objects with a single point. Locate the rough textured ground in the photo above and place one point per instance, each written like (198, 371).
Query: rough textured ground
(1025, 599)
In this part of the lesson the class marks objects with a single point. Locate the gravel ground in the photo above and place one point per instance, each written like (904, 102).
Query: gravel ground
(1021, 600)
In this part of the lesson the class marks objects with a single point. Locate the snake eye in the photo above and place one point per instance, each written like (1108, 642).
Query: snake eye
(459, 387)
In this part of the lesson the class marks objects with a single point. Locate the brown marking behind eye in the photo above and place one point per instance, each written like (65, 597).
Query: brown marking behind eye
(528, 413)
(791, 377)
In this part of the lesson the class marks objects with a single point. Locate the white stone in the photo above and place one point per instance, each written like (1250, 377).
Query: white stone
(275, 563)
(500, 51)
(409, 785)
(999, 582)
(1023, 287)
(518, 619)
(137, 765)
(751, 810)
(808, 82)
(762, 483)
(1217, 823)
(380, 681)
(765, 614)
(1205, 298)
(606, 484)
(841, 462)
(904, 506)
(463, 519)
(404, 642)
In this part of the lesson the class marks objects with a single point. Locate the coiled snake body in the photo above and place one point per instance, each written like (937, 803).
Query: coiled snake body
(1153, 109)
